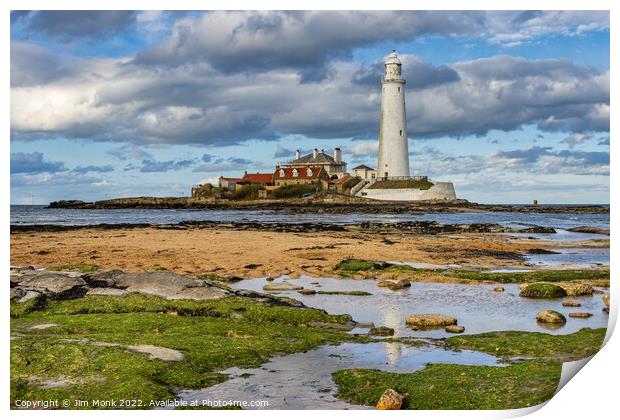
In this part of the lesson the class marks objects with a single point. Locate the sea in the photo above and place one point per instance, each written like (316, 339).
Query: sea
(40, 215)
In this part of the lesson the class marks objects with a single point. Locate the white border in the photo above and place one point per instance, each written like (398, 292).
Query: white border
(592, 394)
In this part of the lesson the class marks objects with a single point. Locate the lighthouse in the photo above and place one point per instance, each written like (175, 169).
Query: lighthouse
(393, 143)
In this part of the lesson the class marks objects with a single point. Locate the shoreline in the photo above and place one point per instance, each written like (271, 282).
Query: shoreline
(336, 205)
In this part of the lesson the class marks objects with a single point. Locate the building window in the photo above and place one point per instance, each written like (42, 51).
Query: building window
(309, 172)
(295, 173)
(281, 173)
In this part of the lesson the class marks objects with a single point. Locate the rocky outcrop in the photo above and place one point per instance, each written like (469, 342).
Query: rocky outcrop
(498, 289)
(571, 304)
(30, 284)
(395, 284)
(550, 317)
(391, 400)
(430, 320)
(58, 286)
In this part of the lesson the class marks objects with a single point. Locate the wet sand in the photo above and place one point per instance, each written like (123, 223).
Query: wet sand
(253, 253)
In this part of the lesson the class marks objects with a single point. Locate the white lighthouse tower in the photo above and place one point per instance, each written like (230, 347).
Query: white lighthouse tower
(393, 144)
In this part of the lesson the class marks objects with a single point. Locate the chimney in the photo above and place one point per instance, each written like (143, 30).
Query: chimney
(297, 154)
(315, 153)
(337, 154)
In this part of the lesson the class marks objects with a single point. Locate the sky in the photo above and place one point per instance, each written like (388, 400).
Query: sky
(510, 106)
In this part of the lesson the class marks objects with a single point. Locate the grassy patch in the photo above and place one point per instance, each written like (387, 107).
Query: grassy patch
(578, 345)
(84, 268)
(533, 276)
(212, 335)
(294, 191)
(401, 183)
(456, 387)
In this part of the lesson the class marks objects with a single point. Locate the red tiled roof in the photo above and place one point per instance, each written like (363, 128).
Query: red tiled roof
(302, 173)
(257, 178)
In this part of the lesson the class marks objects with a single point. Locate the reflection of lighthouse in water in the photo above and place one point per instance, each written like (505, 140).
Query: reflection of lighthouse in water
(392, 318)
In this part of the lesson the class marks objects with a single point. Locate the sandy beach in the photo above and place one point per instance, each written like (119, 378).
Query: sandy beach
(248, 253)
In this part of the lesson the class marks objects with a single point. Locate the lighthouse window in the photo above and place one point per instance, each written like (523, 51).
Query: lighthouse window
(401, 132)
(399, 88)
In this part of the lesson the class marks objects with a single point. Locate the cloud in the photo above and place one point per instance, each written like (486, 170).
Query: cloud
(93, 168)
(241, 42)
(71, 24)
(221, 79)
(129, 152)
(232, 164)
(149, 165)
(576, 138)
(33, 163)
(535, 160)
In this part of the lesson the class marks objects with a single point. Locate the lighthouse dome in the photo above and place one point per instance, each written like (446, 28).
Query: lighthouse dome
(393, 58)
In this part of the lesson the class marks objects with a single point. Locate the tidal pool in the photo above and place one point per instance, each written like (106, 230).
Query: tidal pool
(476, 306)
(574, 257)
(303, 380)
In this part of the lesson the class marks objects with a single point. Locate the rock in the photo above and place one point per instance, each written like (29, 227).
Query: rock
(551, 317)
(42, 326)
(571, 304)
(589, 229)
(390, 400)
(103, 278)
(430, 320)
(382, 331)
(579, 314)
(29, 295)
(281, 286)
(161, 353)
(542, 290)
(576, 289)
(167, 285)
(384, 283)
(106, 291)
(455, 329)
(606, 300)
(540, 251)
(17, 293)
(307, 292)
(399, 284)
(537, 229)
(498, 289)
(59, 286)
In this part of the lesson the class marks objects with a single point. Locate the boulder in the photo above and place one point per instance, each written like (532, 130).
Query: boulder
(571, 304)
(166, 285)
(551, 317)
(398, 284)
(576, 289)
(391, 400)
(430, 320)
(455, 329)
(17, 293)
(498, 289)
(542, 290)
(29, 295)
(56, 285)
(579, 314)
(606, 300)
(281, 286)
(307, 292)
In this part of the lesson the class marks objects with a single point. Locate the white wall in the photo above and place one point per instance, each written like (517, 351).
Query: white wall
(439, 191)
